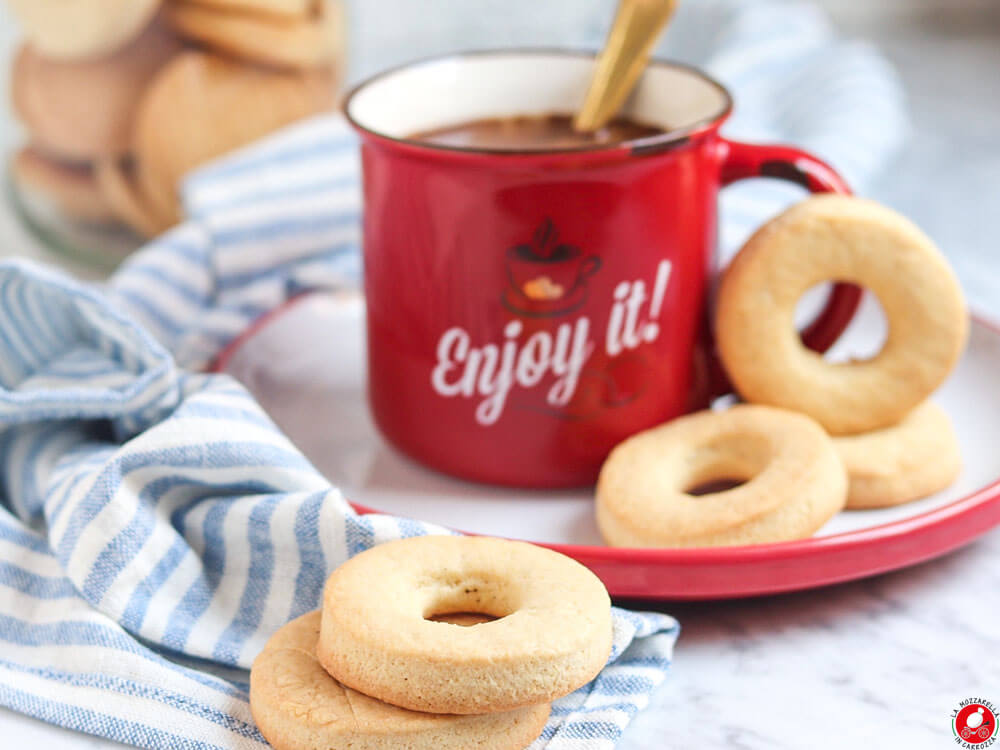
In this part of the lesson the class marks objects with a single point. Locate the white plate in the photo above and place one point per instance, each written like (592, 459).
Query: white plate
(306, 367)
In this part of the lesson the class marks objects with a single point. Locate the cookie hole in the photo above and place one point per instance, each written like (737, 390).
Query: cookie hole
(477, 592)
(863, 339)
(464, 619)
(713, 486)
(725, 462)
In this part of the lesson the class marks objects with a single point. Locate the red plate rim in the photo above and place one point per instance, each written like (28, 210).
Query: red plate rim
(779, 550)
(923, 536)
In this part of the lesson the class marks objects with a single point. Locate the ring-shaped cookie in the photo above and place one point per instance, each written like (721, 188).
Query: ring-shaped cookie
(839, 238)
(298, 706)
(56, 99)
(553, 634)
(908, 461)
(279, 8)
(312, 40)
(71, 188)
(793, 481)
(118, 187)
(82, 29)
(200, 106)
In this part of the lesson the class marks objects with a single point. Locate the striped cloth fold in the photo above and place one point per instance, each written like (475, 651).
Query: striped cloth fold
(156, 527)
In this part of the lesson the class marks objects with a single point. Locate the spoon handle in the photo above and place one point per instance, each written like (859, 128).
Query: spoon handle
(636, 28)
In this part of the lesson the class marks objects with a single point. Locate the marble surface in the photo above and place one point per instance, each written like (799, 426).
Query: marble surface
(877, 663)
(835, 668)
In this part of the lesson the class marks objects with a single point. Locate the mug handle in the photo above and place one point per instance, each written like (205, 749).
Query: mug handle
(741, 161)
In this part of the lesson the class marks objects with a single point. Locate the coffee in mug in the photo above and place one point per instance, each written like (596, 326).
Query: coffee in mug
(534, 133)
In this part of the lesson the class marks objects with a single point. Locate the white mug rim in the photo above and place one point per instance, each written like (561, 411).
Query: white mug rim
(651, 144)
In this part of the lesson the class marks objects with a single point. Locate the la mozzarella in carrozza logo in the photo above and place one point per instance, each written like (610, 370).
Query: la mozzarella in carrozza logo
(974, 723)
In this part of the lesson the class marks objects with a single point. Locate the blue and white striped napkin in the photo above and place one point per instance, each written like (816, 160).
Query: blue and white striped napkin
(156, 527)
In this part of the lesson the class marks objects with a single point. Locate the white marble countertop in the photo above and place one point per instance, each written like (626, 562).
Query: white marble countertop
(877, 663)
(830, 669)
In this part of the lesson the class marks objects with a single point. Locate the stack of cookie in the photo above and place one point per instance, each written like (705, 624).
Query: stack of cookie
(816, 437)
(436, 643)
(121, 98)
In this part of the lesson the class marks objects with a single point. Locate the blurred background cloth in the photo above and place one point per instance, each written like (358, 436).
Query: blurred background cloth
(389, 32)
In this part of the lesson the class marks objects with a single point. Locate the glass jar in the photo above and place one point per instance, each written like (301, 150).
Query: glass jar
(119, 99)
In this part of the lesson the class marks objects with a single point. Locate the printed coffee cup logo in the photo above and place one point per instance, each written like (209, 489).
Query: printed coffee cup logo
(974, 723)
(548, 277)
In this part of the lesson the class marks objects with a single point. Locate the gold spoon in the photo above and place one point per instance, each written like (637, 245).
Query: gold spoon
(626, 52)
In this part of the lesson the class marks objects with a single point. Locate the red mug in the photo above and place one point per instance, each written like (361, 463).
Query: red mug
(527, 311)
